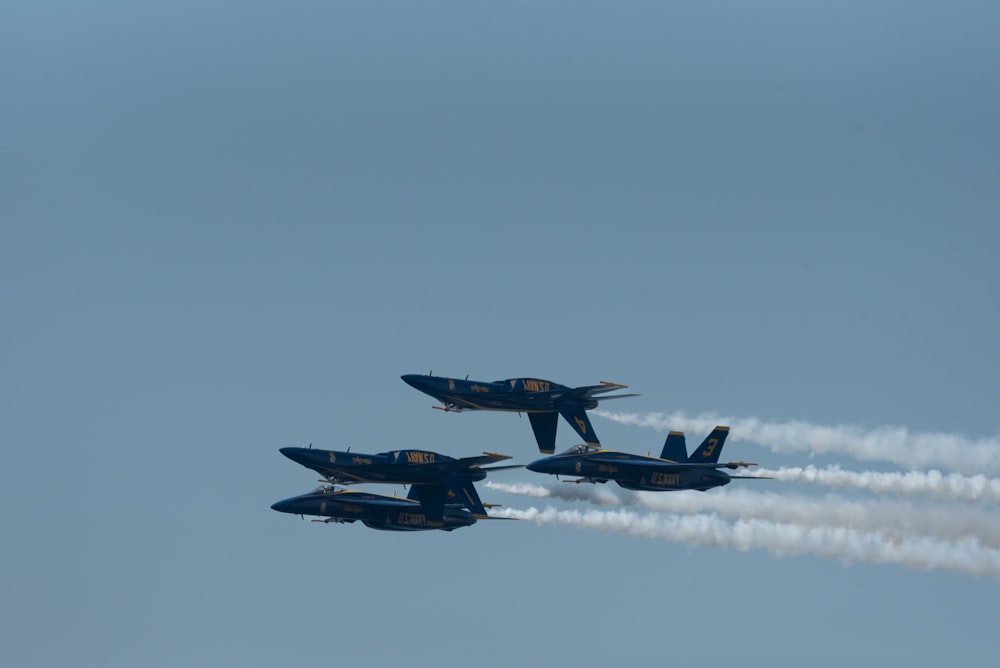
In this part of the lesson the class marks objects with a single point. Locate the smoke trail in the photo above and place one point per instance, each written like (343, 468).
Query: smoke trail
(934, 484)
(848, 545)
(891, 520)
(893, 444)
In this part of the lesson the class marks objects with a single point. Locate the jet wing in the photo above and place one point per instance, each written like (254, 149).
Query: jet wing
(684, 466)
(378, 500)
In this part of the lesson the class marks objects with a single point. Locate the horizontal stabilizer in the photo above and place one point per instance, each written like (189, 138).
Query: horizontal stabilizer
(738, 465)
(477, 461)
(496, 455)
(593, 390)
(502, 468)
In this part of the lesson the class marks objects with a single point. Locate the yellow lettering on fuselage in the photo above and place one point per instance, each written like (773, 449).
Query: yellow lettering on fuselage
(605, 468)
(479, 388)
(361, 460)
(535, 385)
(665, 479)
(411, 519)
(420, 457)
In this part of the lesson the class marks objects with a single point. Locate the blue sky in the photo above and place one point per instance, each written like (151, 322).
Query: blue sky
(228, 229)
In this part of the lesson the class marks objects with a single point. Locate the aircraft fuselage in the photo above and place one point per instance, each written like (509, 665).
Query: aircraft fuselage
(524, 395)
(374, 510)
(630, 471)
(404, 467)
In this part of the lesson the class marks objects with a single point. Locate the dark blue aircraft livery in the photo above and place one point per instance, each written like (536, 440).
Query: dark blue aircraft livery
(543, 401)
(673, 470)
(438, 475)
(378, 511)
(397, 466)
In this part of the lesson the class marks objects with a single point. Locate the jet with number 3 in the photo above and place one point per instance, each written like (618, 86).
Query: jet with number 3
(672, 470)
(543, 401)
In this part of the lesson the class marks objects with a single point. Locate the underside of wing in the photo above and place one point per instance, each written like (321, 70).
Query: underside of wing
(684, 466)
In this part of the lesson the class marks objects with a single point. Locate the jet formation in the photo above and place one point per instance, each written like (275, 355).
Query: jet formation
(442, 492)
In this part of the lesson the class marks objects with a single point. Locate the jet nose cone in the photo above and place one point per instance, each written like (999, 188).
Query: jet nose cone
(297, 455)
(292, 453)
(539, 465)
(284, 506)
(414, 380)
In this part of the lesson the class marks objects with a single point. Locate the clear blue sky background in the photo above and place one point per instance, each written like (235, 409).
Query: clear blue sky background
(230, 227)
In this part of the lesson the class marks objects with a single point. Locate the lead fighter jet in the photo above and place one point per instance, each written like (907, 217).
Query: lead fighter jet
(543, 401)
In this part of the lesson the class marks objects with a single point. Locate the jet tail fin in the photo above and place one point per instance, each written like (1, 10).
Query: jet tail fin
(710, 449)
(577, 418)
(432, 499)
(675, 448)
(544, 426)
(461, 490)
(458, 490)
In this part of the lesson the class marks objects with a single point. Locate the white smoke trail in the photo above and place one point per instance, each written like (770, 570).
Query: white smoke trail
(848, 545)
(890, 519)
(892, 444)
(934, 484)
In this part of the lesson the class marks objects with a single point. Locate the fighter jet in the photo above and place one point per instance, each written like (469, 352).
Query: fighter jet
(398, 466)
(543, 401)
(438, 473)
(672, 470)
(416, 512)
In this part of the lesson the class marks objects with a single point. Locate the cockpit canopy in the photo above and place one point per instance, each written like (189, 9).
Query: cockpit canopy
(581, 449)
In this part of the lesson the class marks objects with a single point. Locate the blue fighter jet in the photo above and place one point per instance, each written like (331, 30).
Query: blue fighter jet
(398, 466)
(436, 473)
(672, 470)
(543, 401)
(378, 511)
